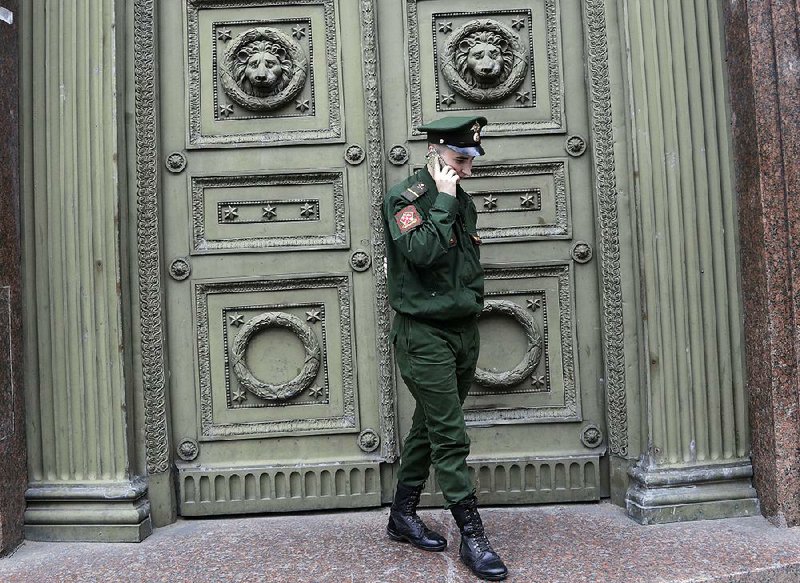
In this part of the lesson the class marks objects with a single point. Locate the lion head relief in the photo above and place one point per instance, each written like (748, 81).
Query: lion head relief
(262, 68)
(484, 59)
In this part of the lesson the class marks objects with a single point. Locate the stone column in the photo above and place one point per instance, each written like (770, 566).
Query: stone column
(697, 462)
(82, 482)
(13, 475)
(764, 57)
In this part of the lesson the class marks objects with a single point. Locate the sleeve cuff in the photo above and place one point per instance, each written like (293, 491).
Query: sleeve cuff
(446, 202)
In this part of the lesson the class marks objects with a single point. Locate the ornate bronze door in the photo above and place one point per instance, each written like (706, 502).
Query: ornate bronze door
(272, 341)
(279, 137)
(536, 409)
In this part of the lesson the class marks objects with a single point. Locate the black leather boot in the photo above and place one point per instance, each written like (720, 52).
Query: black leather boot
(404, 524)
(475, 551)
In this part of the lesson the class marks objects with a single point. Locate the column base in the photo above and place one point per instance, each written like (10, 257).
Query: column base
(93, 512)
(658, 496)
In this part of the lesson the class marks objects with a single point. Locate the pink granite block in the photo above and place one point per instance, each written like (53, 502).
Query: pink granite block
(762, 47)
(13, 474)
(587, 543)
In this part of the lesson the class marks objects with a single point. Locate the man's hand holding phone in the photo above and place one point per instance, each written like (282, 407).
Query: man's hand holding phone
(445, 177)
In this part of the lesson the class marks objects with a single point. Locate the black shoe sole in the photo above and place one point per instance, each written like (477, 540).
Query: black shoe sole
(489, 577)
(485, 577)
(403, 539)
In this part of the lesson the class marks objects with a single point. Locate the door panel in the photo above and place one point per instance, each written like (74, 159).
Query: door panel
(272, 342)
(281, 383)
(535, 412)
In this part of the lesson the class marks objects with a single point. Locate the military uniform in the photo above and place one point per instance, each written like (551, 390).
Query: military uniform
(436, 287)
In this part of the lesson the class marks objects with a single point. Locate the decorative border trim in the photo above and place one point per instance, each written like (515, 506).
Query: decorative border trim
(197, 139)
(148, 249)
(288, 488)
(606, 196)
(369, 51)
(251, 430)
(572, 478)
(339, 238)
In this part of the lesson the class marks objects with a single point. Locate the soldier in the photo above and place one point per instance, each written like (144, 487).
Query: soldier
(435, 283)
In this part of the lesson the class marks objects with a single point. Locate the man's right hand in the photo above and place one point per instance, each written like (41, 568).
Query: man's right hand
(445, 177)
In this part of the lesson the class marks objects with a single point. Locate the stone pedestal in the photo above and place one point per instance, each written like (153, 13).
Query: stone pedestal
(763, 56)
(13, 475)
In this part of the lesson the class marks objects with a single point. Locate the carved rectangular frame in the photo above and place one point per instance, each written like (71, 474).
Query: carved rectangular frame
(196, 138)
(227, 343)
(561, 228)
(554, 81)
(570, 411)
(338, 239)
(345, 422)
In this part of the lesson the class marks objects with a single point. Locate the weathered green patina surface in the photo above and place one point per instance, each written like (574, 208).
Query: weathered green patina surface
(228, 233)
(275, 173)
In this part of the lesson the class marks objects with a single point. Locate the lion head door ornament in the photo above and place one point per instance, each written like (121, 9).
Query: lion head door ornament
(483, 61)
(263, 69)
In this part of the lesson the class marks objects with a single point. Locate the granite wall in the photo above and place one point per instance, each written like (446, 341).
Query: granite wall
(764, 69)
(13, 474)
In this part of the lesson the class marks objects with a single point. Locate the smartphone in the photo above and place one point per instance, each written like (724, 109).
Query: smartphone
(433, 155)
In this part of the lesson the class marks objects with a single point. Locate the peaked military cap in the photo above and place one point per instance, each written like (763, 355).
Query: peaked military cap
(459, 133)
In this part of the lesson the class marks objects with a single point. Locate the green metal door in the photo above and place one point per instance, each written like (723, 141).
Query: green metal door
(271, 329)
(535, 411)
(282, 123)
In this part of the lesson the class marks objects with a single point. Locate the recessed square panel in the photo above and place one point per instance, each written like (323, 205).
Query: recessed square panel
(263, 72)
(485, 58)
(464, 61)
(258, 67)
(269, 212)
(275, 356)
(526, 370)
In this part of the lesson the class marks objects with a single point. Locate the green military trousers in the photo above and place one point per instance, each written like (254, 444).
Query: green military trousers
(437, 364)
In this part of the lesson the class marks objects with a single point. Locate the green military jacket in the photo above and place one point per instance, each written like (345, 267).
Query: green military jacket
(433, 260)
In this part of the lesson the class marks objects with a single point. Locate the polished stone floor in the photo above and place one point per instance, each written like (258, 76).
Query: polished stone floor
(575, 543)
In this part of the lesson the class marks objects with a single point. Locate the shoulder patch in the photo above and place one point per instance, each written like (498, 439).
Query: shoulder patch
(413, 192)
(407, 218)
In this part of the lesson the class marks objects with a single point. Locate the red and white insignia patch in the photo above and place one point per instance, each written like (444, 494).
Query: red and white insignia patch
(407, 218)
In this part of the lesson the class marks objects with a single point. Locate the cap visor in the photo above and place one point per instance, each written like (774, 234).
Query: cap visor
(469, 151)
